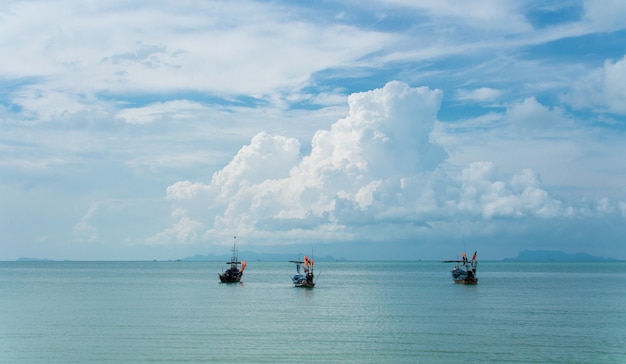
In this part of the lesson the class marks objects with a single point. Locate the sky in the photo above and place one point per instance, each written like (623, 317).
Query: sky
(140, 130)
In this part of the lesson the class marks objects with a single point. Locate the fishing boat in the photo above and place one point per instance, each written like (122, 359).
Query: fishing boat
(464, 271)
(233, 274)
(304, 276)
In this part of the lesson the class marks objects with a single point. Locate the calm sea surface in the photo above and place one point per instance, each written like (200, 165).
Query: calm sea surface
(359, 312)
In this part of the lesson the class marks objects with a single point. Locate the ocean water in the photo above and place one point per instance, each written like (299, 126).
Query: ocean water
(359, 312)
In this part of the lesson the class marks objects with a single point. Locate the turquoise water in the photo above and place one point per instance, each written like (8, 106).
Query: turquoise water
(359, 312)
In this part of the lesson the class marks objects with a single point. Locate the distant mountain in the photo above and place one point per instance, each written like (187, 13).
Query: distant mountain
(554, 255)
(25, 259)
(253, 256)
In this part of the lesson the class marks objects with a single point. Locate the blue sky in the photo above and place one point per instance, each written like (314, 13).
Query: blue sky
(367, 130)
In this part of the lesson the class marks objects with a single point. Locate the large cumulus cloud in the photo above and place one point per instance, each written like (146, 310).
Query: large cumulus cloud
(374, 173)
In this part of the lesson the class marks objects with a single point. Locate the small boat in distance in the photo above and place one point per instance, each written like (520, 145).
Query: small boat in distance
(233, 274)
(466, 272)
(304, 280)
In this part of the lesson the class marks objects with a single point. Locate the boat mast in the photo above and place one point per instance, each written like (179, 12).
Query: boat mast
(233, 259)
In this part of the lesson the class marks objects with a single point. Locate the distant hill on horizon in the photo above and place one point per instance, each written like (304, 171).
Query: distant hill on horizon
(554, 255)
(26, 259)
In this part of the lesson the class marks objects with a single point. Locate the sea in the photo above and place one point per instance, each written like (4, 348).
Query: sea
(358, 312)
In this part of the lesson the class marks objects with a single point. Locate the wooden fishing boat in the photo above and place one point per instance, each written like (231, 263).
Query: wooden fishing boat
(233, 274)
(464, 271)
(304, 276)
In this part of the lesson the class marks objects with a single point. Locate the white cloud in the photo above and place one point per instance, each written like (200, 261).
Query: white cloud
(171, 110)
(45, 105)
(267, 157)
(184, 230)
(615, 86)
(607, 15)
(482, 94)
(185, 190)
(531, 114)
(483, 192)
(84, 230)
(601, 89)
(503, 15)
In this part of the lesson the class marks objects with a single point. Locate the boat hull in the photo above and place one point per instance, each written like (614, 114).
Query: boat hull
(305, 285)
(303, 281)
(461, 276)
(228, 277)
(466, 281)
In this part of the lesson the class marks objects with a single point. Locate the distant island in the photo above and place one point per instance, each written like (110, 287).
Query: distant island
(25, 259)
(554, 255)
